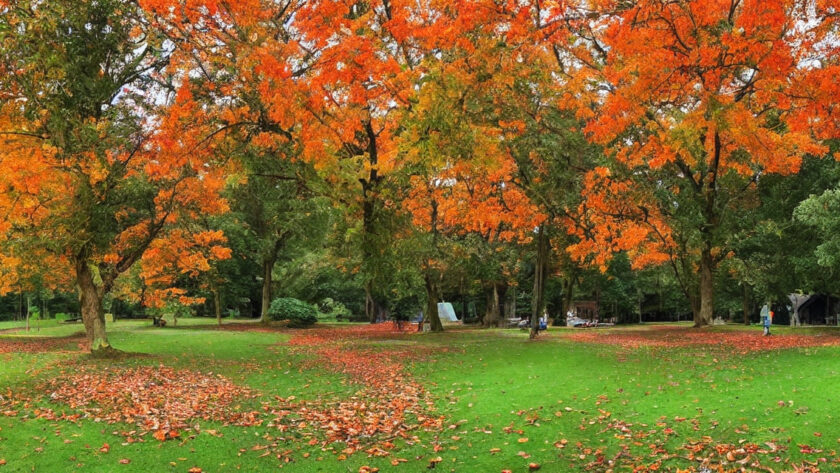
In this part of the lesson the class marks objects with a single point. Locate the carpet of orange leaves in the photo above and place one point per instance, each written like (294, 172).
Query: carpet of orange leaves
(40, 345)
(156, 399)
(669, 336)
(388, 405)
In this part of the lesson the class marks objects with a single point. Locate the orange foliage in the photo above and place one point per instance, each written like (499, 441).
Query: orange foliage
(183, 254)
(698, 91)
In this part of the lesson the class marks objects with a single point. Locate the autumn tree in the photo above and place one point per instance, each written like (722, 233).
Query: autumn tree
(89, 169)
(694, 101)
(462, 182)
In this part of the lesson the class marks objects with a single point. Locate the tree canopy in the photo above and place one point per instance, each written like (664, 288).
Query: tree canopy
(481, 151)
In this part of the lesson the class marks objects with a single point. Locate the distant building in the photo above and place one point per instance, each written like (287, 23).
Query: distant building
(587, 310)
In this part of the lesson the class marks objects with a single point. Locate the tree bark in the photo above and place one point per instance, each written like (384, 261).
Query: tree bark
(370, 304)
(540, 274)
(568, 295)
(268, 267)
(93, 315)
(217, 303)
(369, 201)
(745, 304)
(269, 259)
(493, 315)
(432, 316)
(707, 289)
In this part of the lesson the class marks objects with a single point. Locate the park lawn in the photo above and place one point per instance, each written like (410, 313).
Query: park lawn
(504, 403)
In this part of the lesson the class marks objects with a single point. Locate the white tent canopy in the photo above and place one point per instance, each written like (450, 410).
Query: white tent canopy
(446, 312)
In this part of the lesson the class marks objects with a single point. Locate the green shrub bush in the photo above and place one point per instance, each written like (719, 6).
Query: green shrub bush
(333, 310)
(297, 312)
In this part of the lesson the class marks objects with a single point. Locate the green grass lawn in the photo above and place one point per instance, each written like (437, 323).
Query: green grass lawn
(506, 402)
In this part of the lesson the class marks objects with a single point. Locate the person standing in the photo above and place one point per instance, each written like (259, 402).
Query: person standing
(766, 319)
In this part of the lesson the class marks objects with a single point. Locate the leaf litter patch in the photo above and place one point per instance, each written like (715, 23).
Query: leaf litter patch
(672, 337)
(673, 444)
(74, 343)
(157, 400)
(388, 405)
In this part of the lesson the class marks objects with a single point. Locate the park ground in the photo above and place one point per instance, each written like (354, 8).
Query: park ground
(361, 398)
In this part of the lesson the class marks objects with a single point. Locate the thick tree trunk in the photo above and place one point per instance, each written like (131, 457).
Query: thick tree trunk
(268, 267)
(93, 316)
(369, 210)
(707, 289)
(694, 302)
(432, 316)
(493, 315)
(540, 274)
(370, 304)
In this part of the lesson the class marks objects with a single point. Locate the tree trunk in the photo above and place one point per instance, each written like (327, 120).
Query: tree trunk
(93, 315)
(432, 316)
(640, 299)
(745, 304)
(707, 289)
(464, 305)
(217, 303)
(540, 273)
(492, 316)
(28, 310)
(370, 304)
(268, 267)
(568, 297)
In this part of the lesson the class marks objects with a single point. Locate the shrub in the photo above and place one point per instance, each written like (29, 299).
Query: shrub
(297, 312)
(333, 310)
